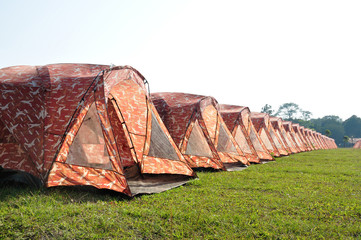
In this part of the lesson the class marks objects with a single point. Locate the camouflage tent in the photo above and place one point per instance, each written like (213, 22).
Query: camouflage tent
(81, 124)
(199, 130)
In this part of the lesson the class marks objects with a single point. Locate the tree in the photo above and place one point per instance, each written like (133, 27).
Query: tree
(327, 132)
(332, 118)
(352, 126)
(267, 109)
(331, 123)
(306, 115)
(288, 111)
(308, 124)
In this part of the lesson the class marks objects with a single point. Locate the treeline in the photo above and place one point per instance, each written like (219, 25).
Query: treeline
(332, 126)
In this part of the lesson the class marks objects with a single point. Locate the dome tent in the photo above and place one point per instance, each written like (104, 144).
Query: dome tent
(262, 123)
(297, 129)
(73, 124)
(287, 125)
(277, 124)
(238, 121)
(199, 131)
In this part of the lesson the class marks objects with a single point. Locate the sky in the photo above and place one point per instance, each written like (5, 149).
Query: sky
(247, 53)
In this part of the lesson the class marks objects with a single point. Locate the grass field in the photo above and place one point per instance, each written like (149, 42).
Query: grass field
(307, 195)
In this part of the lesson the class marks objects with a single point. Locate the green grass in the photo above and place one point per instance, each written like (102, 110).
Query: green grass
(313, 195)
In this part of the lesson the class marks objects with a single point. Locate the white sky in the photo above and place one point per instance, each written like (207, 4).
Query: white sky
(248, 53)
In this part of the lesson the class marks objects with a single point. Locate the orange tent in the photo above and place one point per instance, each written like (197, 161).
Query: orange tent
(331, 143)
(289, 130)
(299, 135)
(263, 126)
(238, 121)
(320, 140)
(306, 138)
(311, 138)
(82, 124)
(315, 137)
(277, 124)
(198, 130)
(327, 142)
(323, 141)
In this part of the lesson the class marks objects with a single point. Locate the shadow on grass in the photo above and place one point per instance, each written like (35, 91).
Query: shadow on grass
(66, 195)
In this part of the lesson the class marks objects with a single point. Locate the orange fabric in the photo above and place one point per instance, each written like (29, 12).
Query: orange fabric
(72, 175)
(277, 124)
(291, 135)
(262, 123)
(43, 108)
(179, 111)
(237, 118)
(297, 130)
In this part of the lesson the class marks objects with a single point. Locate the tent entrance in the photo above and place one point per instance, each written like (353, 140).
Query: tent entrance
(280, 137)
(242, 141)
(160, 146)
(197, 144)
(224, 142)
(256, 144)
(287, 139)
(274, 138)
(266, 140)
(88, 148)
(297, 140)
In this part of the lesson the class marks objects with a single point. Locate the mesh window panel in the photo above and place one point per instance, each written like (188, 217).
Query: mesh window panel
(265, 140)
(287, 139)
(197, 143)
(256, 144)
(224, 142)
(160, 147)
(297, 139)
(88, 148)
(274, 138)
(280, 137)
(242, 141)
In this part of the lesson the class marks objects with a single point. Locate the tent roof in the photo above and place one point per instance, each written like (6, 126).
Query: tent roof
(233, 113)
(176, 110)
(183, 100)
(44, 106)
(260, 119)
(276, 122)
(287, 125)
